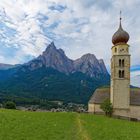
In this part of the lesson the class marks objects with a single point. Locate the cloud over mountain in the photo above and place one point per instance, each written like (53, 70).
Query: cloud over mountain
(78, 27)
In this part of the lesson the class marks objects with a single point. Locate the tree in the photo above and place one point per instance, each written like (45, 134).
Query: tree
(10, 105)
(1, 105)
(107, 107)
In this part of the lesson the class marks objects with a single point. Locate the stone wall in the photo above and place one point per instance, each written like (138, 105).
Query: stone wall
(91, 108)
(120, 85)
(120, 94)
(122, 112)
(95, 108)
(132, 112)
(135, 112)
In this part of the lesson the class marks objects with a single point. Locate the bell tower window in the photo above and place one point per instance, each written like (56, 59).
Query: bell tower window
(123, 63)
(115, 50)
(121, 73)
(120, 61)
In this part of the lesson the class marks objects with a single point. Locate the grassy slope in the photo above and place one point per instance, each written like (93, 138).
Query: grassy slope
(18, 125)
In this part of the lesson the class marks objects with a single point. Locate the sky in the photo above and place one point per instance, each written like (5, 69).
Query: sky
(76, 26)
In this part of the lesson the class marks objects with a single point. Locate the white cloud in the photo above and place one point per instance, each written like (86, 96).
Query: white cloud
(1, 58)
(82, 27)
(135, 78)
(135, 73)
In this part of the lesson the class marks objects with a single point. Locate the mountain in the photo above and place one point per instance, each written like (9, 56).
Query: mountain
(53, 76)
(5, 66)
(54, 58)
(91, 66)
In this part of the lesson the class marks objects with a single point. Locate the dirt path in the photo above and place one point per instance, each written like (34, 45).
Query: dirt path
(82, 132)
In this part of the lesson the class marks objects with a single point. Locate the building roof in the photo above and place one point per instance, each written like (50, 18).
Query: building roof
(104, 93)
(120, 36)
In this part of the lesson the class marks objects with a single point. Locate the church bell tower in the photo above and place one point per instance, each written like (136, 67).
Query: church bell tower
(120, 72)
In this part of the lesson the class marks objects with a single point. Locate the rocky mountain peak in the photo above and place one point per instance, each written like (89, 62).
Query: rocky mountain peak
(101, 61)
(56, 58)
(88, 56)
(51, 46)
(61, 51)
(90, 65)
(102, 65)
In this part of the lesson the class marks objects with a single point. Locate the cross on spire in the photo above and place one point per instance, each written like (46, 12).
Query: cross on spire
(120, 15)
(120, 19)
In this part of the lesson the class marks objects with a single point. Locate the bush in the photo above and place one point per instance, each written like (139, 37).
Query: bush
(107, 107)
(10, 105)
(1, 105)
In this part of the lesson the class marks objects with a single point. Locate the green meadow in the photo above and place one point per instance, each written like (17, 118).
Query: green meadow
(20, 125)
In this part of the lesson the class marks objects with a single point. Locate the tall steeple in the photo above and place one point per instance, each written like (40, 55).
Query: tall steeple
(120, 71)
(120, 36)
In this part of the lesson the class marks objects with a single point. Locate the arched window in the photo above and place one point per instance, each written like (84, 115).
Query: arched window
(115, 50)
(120, 74)
(120, 61)
(123, 63)
(123, 74)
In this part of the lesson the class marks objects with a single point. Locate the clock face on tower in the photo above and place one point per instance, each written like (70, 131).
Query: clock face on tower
(122, 50)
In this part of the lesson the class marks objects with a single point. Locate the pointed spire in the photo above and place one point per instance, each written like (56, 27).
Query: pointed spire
(120, 36)
(120, 15)
(120, 19)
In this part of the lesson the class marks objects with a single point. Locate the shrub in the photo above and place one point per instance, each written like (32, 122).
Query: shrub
(10, 105)
(107, 107)
(1, 105)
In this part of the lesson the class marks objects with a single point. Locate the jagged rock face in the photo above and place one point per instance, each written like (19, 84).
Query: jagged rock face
(90, 65)
(103, 67)
(56, 58)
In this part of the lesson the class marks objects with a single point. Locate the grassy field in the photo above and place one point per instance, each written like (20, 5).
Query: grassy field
(19, 125)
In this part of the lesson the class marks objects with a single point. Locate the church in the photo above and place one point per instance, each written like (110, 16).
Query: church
(125, 100)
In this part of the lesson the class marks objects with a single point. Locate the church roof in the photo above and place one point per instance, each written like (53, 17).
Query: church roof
(120, 36)
(104, 93)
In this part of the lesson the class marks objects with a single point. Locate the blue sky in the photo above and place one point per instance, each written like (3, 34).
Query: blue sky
(76, 26)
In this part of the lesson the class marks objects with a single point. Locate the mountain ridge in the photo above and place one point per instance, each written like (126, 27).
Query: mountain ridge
(53, 76)
(56, 58)
(6, 66)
